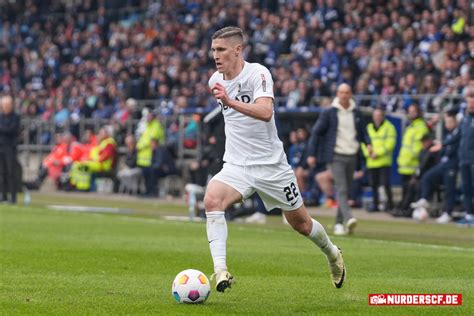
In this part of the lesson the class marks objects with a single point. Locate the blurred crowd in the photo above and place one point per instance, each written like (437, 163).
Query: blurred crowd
(66, 61)
(149, 154)
(436, 175)
(78, 59)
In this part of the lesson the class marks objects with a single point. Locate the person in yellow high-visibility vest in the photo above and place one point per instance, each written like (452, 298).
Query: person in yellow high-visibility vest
(102, 158)
(383, 137)
(153, 130)
(409, 157)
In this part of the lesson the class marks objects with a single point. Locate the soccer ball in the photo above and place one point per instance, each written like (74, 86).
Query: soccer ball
(191, 286)
(420, 214)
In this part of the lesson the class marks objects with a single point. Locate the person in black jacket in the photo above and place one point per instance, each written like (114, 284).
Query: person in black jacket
(428, 159)
(129, 176)
(162, 165)
(466, 159)
(444, 172)
(335, 140)
(9, 131)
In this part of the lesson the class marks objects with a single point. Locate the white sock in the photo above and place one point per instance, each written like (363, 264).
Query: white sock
(217, 237)
(319, 236)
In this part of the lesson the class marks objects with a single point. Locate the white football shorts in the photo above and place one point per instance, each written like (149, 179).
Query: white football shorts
(275, 184)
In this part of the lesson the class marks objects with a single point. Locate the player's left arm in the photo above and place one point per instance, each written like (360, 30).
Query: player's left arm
(262, 109)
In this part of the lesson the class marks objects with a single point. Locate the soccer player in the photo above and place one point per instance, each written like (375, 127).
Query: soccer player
(254, 156)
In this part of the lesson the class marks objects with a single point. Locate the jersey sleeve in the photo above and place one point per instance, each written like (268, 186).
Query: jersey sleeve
(262, 83)
(212, 81)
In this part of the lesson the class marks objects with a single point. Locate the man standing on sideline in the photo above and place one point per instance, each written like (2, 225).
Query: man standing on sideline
(383, 137)
(466, 159)
(335, 140)
(254, 156)
(9, 131)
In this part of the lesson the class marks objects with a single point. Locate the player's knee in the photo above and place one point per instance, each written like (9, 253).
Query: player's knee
(212, 203)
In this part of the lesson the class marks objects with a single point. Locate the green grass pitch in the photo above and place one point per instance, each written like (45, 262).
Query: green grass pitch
(55, 262)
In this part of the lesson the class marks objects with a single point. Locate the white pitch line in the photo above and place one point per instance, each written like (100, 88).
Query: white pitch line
(141, 220)
(89, 209)
(415, 244)
(380, 241)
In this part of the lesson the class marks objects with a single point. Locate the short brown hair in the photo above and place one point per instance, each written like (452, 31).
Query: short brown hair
(229, 31)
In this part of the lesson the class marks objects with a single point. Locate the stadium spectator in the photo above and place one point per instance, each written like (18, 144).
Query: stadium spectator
(409, 156)
(296, 157)
(211, 162)
(305, 175)
(102, 159)
(191, 132)
(162, 164)
(444, 173)
(86, 62)
(9, 132)
(427, 159)
(130, 175)
(89, 141)
(337, 133)
(466, 157)
(64, 153)
(383, 138)
(30, 115)
(152, 131)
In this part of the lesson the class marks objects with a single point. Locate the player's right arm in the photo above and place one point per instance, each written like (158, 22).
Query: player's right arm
(262, 109)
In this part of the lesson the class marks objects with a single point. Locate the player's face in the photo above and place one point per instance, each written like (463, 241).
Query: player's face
(225, 53)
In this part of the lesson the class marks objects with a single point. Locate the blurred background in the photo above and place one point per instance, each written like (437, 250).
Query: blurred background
(141, 69)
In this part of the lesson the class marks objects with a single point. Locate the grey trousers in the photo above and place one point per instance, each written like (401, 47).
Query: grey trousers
(342, 168)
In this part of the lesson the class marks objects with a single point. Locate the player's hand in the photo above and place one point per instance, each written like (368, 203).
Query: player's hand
(311, 160)
(219, 93)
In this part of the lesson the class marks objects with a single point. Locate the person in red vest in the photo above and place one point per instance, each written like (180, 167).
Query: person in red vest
(89, 142)
(63, 154)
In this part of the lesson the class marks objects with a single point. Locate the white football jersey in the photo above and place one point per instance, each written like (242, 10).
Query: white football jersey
(249, 141)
